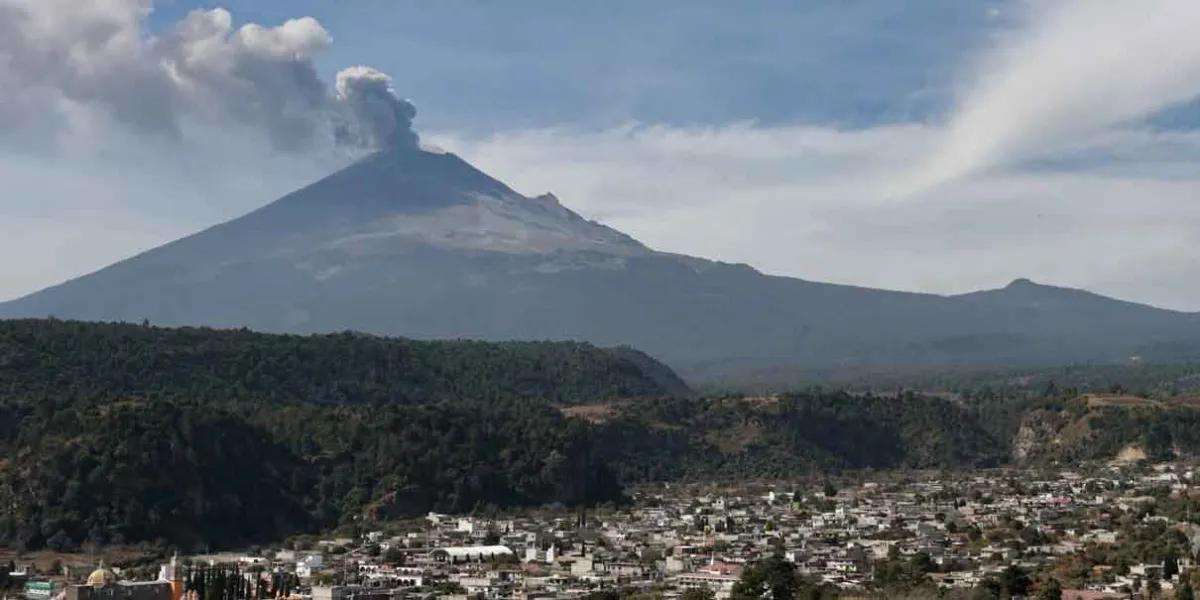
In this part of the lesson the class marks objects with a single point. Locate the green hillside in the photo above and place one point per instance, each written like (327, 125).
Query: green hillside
(193, 474)
(122, 433)
(1108, 427)
(790, 435)
(193, 437)
(56, 359)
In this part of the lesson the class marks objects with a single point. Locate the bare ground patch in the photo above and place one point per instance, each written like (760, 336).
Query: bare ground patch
(1121, 401)
(592, 413)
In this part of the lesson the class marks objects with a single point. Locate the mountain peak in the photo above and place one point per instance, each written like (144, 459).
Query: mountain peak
(420, 243)
(393, 199)
(1027, 294)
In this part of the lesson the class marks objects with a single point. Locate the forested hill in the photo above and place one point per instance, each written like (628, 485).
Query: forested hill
(191, 473)
(733, 438)
(52, 358)
(190, 437)
(194, 474)
(125, 433)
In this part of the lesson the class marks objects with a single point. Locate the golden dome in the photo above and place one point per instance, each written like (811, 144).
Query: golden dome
(101, 577)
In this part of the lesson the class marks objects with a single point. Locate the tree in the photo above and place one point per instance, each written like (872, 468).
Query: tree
(492, 538)
(986, 590)
(699, 593)
(1185, 592)
(1014, 582)
(1153, 589)
(450, 588)
(651, 556)
(1050, 590)
(775, 577)
(60, 542)
(1170, 567)
(829, 490)
(393, 556)
(898, 575)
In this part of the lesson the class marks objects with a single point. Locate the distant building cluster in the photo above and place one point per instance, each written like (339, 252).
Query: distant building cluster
(104, 584)
(960, 529)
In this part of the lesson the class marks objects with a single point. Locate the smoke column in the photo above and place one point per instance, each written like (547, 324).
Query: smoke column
(68, 61)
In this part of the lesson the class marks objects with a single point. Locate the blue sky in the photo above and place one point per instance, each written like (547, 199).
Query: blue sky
(491, 65)
(929, 145)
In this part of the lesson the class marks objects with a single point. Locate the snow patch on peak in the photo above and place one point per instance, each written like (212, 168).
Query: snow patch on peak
(514, 225)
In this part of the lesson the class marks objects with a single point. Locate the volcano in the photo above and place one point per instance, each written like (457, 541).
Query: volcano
(416, 243)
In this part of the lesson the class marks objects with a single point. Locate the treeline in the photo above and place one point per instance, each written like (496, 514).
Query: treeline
(116, 434)
(190, 473)
(231, 583)
(1165, 378)
(46, 359)
(789, 435)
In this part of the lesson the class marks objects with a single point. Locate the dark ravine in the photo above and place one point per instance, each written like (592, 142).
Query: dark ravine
(424, 245)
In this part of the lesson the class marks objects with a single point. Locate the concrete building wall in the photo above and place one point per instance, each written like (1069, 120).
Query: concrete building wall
(157, 590)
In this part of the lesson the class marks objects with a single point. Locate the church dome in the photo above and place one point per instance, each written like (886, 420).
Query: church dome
(101, 577)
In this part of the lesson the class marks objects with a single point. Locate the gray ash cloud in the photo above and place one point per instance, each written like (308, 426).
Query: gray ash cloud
(64, 63)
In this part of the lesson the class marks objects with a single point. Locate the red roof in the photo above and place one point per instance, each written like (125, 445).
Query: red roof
(722, 568)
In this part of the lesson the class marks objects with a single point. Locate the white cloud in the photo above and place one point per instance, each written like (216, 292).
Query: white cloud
(1071, 69)
(812, 202)
(73, 63)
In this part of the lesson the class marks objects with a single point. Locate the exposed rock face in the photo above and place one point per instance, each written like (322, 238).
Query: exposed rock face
(1131, 454)
(1037, 433)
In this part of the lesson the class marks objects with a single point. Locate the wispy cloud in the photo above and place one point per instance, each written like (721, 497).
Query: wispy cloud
(808, 202)
(1069, 69)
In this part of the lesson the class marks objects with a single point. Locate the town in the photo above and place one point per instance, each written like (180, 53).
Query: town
(1113, 531)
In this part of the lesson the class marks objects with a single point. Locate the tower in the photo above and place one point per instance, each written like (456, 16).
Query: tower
(175, 577)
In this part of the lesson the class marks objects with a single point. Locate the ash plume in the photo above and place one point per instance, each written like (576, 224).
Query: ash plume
(82, 62)
(379, 118)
